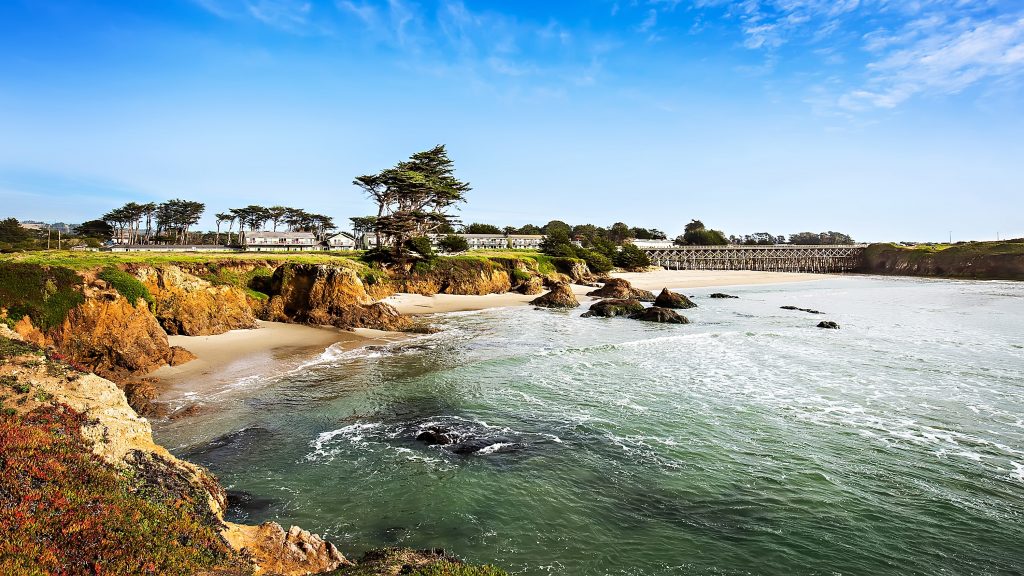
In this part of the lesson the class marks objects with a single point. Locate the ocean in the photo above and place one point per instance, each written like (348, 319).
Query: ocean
(746, 442)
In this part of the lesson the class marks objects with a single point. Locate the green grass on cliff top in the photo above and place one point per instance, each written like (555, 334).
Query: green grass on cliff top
(1011, 247)
(93, 260)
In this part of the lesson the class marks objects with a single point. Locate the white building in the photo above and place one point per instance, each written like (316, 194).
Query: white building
(652, 244)
(279, 241)
(341, 241)
(497, 241)
(525, 241)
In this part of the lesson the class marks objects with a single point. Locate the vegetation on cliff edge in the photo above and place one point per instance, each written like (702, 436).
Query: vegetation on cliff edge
(65, 511)
(43, 293)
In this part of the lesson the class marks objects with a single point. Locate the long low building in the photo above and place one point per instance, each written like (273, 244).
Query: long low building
(498, 241)
(279, 241)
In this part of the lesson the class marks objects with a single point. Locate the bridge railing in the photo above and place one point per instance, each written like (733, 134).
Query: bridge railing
(771, 257)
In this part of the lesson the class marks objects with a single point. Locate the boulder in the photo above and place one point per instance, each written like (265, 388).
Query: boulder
(614, 307)
(673, 300)
(560, 296)
(533, 286)
(720, 295)
(434, 435)
(828, 324)
(621, 289)
(659, 314)
(180, 356)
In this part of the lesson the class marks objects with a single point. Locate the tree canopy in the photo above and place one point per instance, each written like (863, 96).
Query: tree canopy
(414, 198)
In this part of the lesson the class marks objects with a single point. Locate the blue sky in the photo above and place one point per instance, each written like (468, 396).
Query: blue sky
(889, 120)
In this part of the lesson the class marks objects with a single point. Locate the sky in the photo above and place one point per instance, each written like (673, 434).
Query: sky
(887, 120)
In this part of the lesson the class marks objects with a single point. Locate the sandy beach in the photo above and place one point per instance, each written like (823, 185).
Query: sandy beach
(275, 347)
(272, 348)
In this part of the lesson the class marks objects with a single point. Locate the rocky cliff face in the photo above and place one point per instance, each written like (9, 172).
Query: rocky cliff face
(328, 295)
(123, 440)
(188, 305)
(981, 260)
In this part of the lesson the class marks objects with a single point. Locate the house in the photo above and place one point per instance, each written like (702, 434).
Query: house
(279, 241)
(341, 241)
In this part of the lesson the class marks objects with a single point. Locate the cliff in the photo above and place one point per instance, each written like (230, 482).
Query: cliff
(85, 489)
(977, 260)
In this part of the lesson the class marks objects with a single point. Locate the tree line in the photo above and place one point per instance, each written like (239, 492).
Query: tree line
(171, 221)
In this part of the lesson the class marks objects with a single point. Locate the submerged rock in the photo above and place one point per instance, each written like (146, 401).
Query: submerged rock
(669, 299)
(475, 445)
(828, 324)
(808, 310)
(658, 314)
(621, 289)
(560, 296)
(436, 436)
(720, 295)
(614, 307)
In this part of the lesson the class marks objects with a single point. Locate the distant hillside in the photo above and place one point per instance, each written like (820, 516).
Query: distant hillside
(978, 260)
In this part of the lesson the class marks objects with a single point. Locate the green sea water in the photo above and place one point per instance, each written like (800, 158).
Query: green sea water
(747, 442)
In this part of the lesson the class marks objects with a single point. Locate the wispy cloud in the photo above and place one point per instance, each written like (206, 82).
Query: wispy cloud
(948, 59)
(293, 16)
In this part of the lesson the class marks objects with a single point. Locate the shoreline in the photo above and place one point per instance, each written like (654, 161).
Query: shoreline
(275, 347)
(271, 348)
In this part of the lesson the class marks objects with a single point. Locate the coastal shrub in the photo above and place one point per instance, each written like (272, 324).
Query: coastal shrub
(453, 243)
(596, 261)
(44, 294)
(632, 257)
(67, 512)
(126, 285)
(420, 245)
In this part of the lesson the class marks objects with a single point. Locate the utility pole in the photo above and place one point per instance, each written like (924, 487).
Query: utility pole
(950, 236)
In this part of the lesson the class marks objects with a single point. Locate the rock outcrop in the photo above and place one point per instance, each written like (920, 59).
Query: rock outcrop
(532, 286)
(614, 307)
(328, 295)
(292, 553)
(188, 305)
(112, 337)
(720, 295)
(828, 324)
(560, 296)
(621, 289)
(659, 314)
(675, 300)
(808, 310)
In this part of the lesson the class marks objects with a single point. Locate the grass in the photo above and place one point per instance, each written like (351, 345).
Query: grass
(45, 294)
(126, 284)
(456, 569)
(97, 260)
(68, 512)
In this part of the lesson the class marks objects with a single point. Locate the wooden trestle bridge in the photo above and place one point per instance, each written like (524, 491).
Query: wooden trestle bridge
(768, 258)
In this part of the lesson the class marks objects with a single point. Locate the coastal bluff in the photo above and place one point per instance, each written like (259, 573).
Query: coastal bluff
(971, 260)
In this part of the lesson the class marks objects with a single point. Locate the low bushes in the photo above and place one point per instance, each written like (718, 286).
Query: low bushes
(44, 294)
(126, 285)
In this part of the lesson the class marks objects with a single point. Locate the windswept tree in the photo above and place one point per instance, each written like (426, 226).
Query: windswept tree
(414, 198)
(175, 217)
(277, 214)
(222, 217)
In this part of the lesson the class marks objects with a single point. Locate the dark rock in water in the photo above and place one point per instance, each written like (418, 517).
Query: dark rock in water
(477, 444)
(828, 324)
(808, 310)
(560, 296)
(614, 307)
(242, 502)
(673, 300)
(434, 435)
(720, 295)
(658, 314)
(620, 289)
